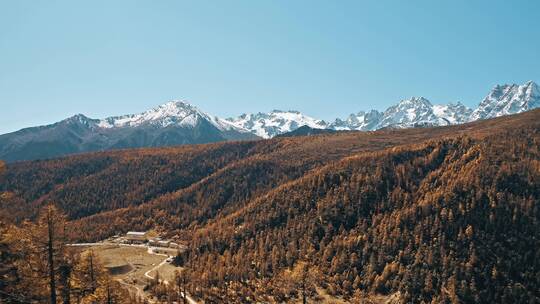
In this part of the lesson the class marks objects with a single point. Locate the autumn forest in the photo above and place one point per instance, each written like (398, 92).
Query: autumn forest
(421, 215)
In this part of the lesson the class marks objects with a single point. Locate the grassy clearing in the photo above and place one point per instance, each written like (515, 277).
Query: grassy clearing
(138, 257)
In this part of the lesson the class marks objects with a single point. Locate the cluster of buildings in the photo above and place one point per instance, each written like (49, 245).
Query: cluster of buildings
(136, 237)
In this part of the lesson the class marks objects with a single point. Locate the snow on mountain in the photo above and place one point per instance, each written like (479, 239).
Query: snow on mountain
(412, 112)
(416, 111)
(179, 123)
(176, 112)
(268, 125)
(170, 124)
(453, 113)
(508, 99)
(409, 113)
(82, 120)
(362, 121)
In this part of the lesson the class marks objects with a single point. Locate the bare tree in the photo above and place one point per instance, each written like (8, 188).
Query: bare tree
(43, 247)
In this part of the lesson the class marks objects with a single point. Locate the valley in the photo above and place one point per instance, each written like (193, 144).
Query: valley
(269, 152)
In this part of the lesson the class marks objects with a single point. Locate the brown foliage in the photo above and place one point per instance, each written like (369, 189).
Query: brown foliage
(439, 215)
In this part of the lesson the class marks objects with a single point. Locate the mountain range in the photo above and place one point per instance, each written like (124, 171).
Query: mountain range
(178, 123)
(413, 112)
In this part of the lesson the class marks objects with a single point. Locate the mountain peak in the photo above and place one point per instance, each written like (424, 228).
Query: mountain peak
(178, 104)
(174, 112)
(79, 119)
(276, 122)
(421, 101)
(508, 99)
(173, 108)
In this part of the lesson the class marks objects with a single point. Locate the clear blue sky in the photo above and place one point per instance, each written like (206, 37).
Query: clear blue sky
(325, 58)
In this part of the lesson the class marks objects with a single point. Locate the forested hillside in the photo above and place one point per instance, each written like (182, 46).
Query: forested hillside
(37, 266)
(442, 215)
(452, 220)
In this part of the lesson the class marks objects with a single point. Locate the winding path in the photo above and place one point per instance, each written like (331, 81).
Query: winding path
(140, 293)
(147, 274)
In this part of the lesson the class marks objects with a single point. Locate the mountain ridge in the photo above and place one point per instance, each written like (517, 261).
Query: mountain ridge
(178, 122)
(407, 113)
(173, 123)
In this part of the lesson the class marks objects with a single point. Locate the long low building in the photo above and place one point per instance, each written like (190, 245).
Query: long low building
(136, 237)
(158, 242)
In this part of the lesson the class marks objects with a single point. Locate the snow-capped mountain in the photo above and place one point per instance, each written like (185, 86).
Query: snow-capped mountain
(508, 99)
(277, 122)
(412, 112)
(172, 113)
(453, 113)
(173, 123)
(360, 121)
(178, 122)
(416, 111)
